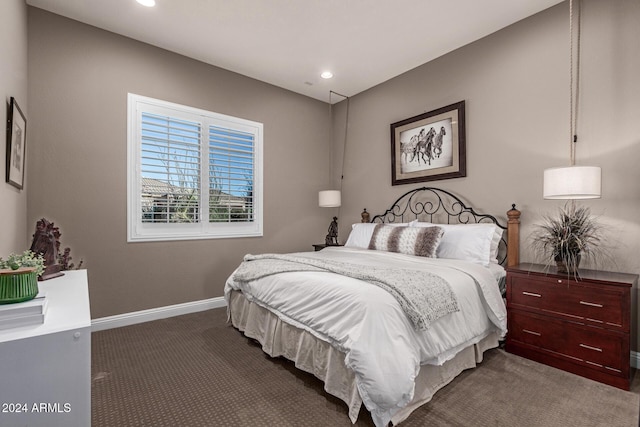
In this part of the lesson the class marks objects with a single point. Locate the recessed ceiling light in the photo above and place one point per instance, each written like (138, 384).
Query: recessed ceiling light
(326, 74)
(147, 3)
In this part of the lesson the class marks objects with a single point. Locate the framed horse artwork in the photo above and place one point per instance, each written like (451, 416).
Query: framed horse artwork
(429, 147)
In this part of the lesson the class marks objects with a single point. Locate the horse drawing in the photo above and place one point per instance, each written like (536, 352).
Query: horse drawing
(424, 146)
(407, 148)
(437, 142)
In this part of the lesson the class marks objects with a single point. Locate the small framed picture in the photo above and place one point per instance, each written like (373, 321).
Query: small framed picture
(16, 145)
(429, 147)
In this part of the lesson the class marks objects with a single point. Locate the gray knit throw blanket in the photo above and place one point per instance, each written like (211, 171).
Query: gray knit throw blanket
(424, 297)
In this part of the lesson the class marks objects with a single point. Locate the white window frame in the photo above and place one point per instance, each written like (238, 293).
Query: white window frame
(139, 231)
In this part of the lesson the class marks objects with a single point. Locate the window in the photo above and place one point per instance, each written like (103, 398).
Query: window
(192, 174)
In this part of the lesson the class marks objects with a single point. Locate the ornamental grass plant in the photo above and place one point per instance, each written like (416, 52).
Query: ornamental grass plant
(569, 237)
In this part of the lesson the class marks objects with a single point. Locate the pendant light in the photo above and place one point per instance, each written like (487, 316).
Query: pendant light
(573, 182)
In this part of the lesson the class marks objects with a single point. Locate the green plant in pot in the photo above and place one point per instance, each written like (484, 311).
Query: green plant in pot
(568, 238)
(19, 277)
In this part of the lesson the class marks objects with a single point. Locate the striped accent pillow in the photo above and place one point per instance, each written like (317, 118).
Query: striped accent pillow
(406, 240)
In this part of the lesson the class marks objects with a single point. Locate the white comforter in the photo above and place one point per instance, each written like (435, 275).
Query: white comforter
(367, 324)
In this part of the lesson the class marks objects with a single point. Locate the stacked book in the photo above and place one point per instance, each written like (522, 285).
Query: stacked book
(26, 313)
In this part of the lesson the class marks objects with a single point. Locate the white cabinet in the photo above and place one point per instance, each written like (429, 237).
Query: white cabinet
(45, 370)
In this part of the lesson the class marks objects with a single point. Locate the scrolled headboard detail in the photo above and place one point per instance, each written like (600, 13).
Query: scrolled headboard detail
(439, 206)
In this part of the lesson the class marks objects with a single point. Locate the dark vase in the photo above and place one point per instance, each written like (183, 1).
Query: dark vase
(568, 264)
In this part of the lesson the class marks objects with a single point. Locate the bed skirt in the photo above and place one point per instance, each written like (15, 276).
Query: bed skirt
(326, 363)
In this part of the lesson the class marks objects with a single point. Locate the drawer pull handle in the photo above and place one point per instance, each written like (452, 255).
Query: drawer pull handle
(531, 294)
(591, 304)
(533, 333)
(591, 348)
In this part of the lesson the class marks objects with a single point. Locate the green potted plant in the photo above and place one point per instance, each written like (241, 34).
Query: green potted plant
(19, 277)
(568, 238)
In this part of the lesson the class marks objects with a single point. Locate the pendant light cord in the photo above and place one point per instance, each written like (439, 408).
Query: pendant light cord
(344, 143)
(344, 149)
(573, 112)
(330, 141)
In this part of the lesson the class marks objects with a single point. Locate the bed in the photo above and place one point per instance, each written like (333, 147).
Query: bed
(411, 300)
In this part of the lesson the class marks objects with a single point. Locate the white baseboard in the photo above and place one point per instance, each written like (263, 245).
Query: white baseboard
(635, 359)
(142, 316)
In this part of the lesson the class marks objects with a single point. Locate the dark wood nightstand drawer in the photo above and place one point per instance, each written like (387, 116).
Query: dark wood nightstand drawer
(592, 347)
(571, 300)
(585, 325)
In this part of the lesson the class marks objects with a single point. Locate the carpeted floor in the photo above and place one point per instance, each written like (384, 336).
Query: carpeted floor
(197, 370)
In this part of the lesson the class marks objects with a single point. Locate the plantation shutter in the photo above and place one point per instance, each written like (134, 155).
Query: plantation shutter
(191, 173)
(170, 160)
(231, 175)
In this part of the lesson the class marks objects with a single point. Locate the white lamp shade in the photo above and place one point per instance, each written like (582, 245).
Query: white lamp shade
(329, 199)
(573, 182)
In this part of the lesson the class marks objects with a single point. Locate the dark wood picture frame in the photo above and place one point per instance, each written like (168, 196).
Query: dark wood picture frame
(16, 145)
(429, 147)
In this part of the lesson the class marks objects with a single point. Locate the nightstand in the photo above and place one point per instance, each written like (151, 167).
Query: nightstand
(321, 246)
(585, 326)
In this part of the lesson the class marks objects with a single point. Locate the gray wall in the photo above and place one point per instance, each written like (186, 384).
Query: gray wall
(79, 79)
(516, 86)
(515, 83)
(13, 82)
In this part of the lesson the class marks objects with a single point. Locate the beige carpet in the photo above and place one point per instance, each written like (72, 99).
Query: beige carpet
(196, 370)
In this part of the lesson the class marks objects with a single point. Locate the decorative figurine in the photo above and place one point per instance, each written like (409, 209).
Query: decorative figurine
(46, 243)
(64, 259)
(332, 235)
(365, 216)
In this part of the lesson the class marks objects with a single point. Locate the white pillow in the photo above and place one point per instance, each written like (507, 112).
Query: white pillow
(361, 233)
(470, 242)
(495, 244)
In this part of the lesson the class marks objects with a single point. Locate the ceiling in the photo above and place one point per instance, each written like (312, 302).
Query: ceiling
(288, 43)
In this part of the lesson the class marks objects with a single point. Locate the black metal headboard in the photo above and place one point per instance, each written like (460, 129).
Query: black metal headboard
(438, 206)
